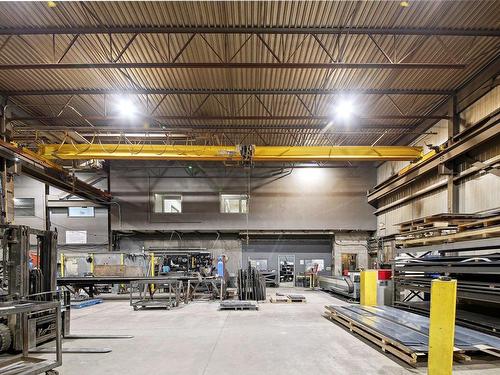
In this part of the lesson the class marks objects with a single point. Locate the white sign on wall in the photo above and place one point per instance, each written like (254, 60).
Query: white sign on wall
(76, 236)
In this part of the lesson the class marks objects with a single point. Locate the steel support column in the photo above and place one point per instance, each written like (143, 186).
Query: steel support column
(453, 130)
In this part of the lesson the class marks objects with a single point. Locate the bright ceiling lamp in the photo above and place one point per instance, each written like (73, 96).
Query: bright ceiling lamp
(344, 109)
(126, 108)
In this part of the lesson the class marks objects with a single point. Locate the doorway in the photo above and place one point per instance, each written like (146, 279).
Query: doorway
(286, 270)
(349, 262)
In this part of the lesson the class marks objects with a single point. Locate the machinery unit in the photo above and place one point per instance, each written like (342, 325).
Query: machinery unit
(347, 286)
(183, 260)
(30, 306)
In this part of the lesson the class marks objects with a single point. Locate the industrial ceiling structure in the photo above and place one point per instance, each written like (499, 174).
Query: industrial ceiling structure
(232, 73)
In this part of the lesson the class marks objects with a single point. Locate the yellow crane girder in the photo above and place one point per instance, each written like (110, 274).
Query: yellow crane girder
(227, 153)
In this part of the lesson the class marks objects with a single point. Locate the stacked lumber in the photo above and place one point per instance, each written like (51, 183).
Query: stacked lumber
(443, 228)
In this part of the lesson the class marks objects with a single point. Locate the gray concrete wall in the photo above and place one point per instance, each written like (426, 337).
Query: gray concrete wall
(26, 187)
(305, 199)
(302, 249)
(96, 227)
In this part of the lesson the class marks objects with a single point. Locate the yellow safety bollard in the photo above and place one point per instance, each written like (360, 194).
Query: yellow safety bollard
(368, 288)
(92, 264)
(152, 271)
(442, 326)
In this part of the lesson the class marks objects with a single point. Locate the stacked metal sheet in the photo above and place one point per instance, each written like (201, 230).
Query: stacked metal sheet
(238, 305)
(251, 284)
(405, 334)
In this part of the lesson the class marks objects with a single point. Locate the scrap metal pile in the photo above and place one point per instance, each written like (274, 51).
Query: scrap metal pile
(405, 334)
(251, 285)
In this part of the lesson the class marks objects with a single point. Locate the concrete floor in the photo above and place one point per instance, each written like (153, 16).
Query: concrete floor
(199, 339)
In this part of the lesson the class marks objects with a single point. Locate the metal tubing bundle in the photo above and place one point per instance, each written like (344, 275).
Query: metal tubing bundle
(251, 285)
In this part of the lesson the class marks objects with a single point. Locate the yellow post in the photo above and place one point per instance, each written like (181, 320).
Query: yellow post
(62, 264)
(368, 288)
(152, 270)
(442, 326)
(92, 264)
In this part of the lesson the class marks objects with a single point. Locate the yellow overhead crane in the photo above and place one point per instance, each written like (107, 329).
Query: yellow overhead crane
(228, 153)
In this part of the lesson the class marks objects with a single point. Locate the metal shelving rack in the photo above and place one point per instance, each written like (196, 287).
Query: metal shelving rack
(24, 363)
(478, 277)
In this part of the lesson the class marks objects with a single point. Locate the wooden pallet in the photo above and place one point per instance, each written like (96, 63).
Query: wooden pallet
(487, 232)
(492, 221)
(278, 299)
(236, 305)
(427, 232)
(386, 344)
(436, 221)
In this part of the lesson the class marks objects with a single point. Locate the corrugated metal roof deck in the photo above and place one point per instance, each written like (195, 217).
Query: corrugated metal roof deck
(473, 51)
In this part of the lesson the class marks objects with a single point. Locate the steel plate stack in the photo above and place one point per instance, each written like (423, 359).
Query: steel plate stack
(251, 285)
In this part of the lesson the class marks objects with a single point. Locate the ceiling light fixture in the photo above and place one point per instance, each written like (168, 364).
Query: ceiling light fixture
(126, 108)
(344, 109)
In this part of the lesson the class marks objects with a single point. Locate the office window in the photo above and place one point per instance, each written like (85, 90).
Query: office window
(233, 203)
(24, 206)
(167, 203)
(81, 212)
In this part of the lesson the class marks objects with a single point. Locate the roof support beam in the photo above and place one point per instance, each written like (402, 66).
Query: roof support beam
(224, 118)
(202, 91)
(247, 30)
(220, 65)
(207, 127)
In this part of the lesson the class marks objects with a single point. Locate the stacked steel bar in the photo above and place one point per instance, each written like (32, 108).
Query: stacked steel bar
(251, 284)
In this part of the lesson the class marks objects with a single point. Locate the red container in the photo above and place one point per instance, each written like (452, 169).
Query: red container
(384, 275)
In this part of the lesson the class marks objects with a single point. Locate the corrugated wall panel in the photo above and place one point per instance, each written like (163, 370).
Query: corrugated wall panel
(478, 192)
(430, 204)
(436, 135)
(482, 107)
